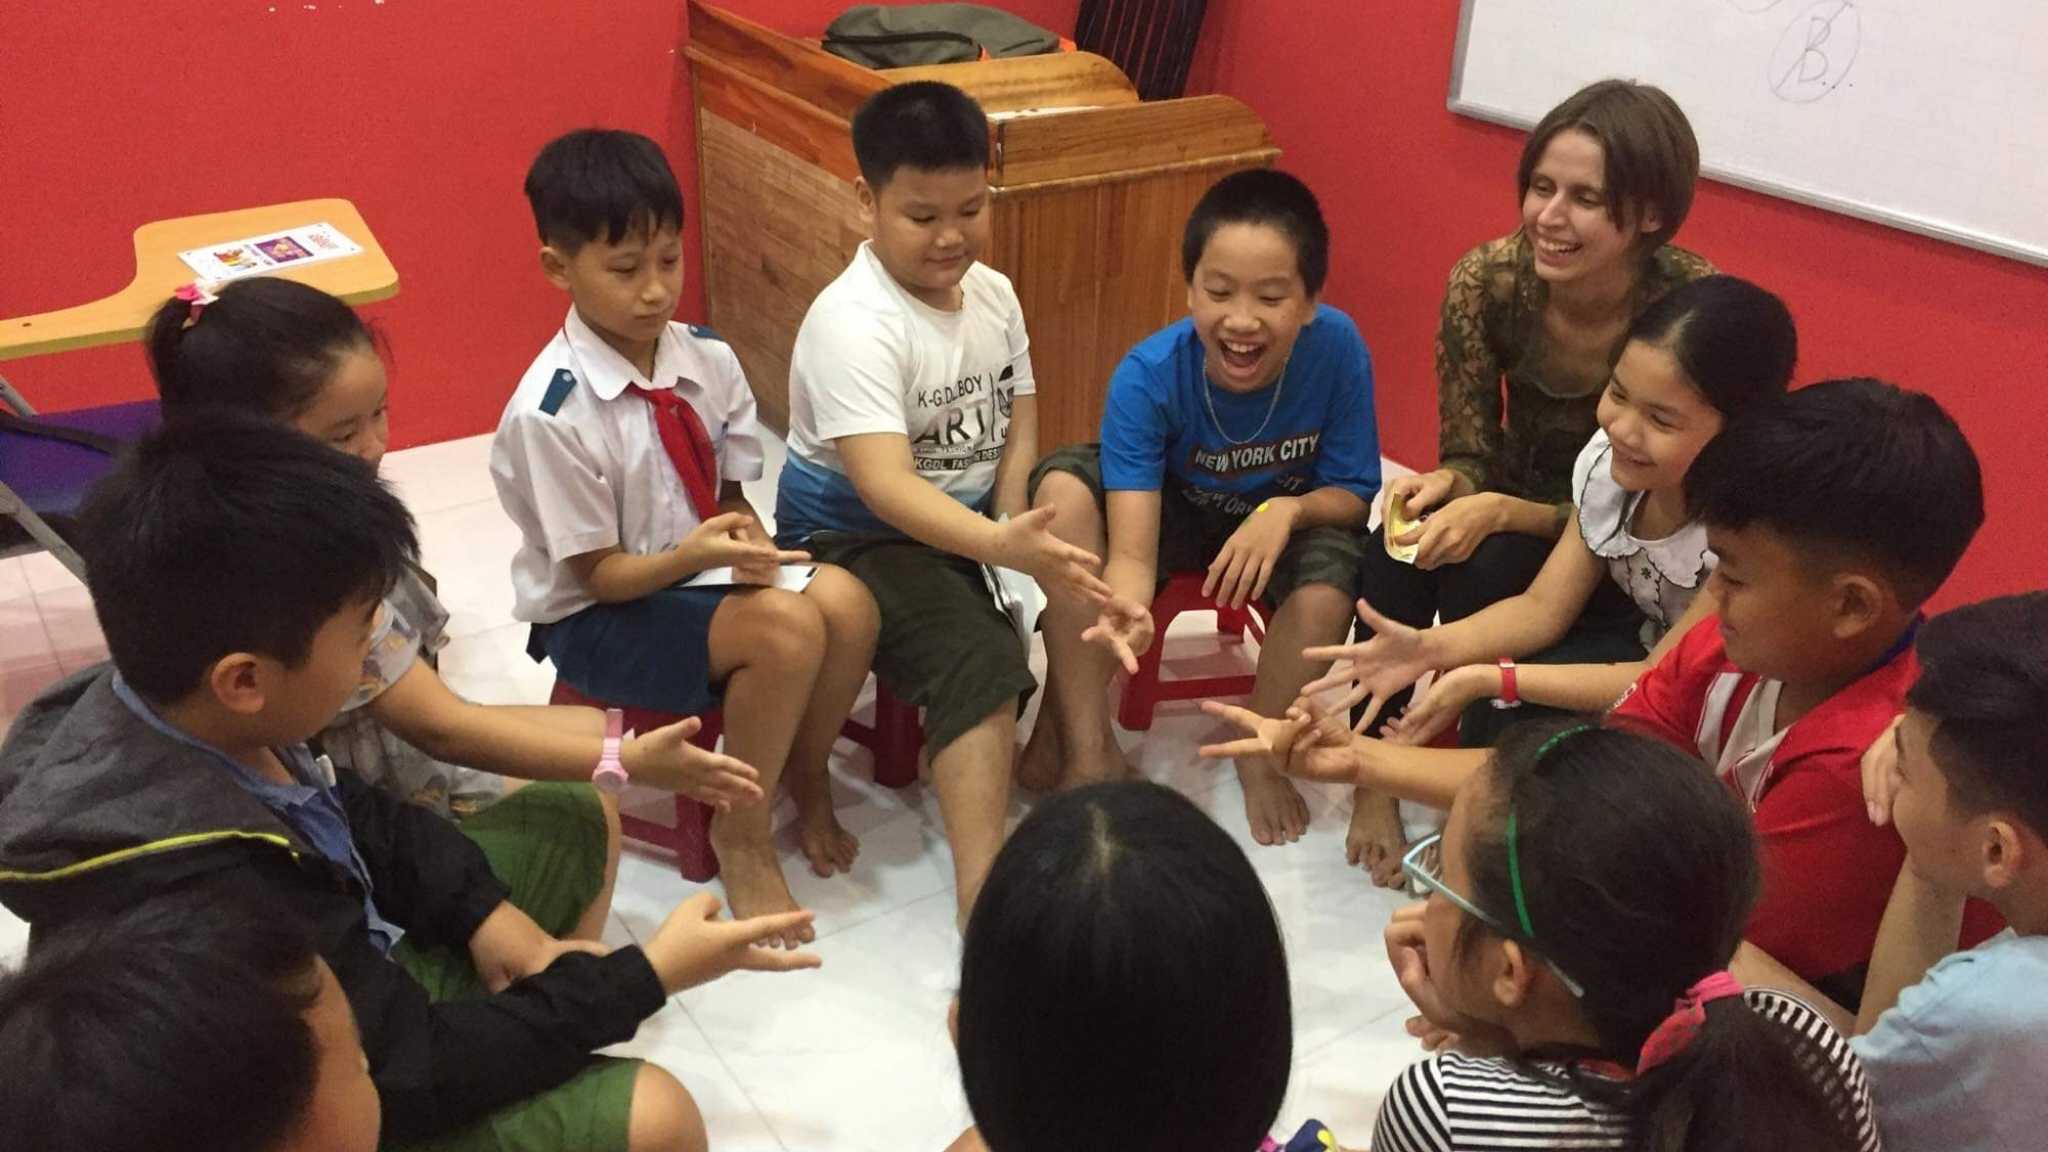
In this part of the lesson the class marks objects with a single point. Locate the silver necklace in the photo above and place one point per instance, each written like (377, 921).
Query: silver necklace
(1274, 406)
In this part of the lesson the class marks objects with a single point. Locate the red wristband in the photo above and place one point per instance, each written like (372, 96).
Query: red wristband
(1509, 697)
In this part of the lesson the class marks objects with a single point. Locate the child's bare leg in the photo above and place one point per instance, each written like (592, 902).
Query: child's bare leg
(766, 643)
(1312, 614)
(972, 776)
(1072, 743)
(663, 1116)
(590, 925)
(851, 623)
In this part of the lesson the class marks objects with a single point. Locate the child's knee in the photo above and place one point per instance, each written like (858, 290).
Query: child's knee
(1320, 607)
(848, 607)
(782, 628)
(1077, 518)
(664, 1116)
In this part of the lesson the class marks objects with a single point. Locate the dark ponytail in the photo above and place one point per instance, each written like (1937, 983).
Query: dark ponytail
(1733, 340)
(267, 346)
(1639, 871)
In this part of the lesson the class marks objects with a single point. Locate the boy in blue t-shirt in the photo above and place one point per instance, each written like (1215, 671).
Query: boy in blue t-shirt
(1954, 1042)
(1240, 442)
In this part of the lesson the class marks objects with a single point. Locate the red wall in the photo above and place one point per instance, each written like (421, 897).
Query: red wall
(426, 112)
(1354, 93)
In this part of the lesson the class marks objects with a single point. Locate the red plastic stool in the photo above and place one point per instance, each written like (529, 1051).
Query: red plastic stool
(1146, 691)
(893, 740)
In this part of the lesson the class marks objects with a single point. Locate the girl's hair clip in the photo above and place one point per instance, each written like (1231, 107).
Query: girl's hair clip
(196, 295)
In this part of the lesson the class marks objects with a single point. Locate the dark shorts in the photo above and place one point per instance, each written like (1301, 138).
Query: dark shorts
(1190, 537)
(654, 652)
(944, 645)
(547, 843)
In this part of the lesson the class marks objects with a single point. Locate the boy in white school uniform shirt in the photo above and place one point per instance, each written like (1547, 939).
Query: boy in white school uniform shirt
(913, 429)
(620, 457)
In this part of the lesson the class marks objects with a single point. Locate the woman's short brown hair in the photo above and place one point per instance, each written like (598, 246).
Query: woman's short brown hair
(1651, 155)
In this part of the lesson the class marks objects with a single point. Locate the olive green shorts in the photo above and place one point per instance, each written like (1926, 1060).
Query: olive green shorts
(1190, 537)
(547, 843)
(944, 645)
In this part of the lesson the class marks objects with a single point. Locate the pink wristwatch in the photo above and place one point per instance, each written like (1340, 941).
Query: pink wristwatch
(610, 775)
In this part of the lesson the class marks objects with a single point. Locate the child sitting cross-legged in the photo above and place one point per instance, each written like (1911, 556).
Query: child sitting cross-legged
(290, 353)
(238, 570)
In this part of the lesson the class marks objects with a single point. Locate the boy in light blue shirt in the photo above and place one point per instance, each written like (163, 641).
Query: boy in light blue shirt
(1956, 1043)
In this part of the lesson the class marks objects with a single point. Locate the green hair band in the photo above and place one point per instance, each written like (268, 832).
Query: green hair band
(1514, 852)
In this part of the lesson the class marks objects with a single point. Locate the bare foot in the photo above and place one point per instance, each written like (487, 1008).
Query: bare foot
(752, 878)
(1275, 810)
(1376, 841)
(1038, 766)
(826, 843)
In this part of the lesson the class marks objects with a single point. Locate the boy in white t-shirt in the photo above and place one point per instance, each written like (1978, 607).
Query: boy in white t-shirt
(620, 457)
(912, 429)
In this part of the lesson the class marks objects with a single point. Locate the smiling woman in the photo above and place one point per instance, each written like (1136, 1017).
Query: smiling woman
(1533, 323)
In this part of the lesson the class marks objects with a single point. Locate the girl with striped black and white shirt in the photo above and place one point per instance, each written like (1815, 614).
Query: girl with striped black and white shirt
(1585, 899)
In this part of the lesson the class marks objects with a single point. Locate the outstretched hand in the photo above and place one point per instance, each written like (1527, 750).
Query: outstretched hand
(1026, 543)
(1434, 710)
(666, 759)
(1375, 669)
(1125, 628)
(1301, 744)
(694, 946)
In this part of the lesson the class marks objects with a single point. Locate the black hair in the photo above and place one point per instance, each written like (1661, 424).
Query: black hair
(1124, 983)
(226, 533)
(601, 184)
(1651, 157)
(923, 124)
(1261, 196)
(1732, 339)
(1855, 467)
(178, 1025)
(1984, 683)
(1639, 871)
(266, 345)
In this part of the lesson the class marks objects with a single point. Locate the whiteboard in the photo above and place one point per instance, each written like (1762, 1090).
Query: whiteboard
(1929, 115)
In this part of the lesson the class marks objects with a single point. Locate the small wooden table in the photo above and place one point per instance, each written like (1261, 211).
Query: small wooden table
(124, 316)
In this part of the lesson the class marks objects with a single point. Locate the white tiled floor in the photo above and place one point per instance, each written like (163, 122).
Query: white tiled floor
(852, 1057)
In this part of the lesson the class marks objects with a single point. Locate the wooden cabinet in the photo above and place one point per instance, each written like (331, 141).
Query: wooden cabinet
(1091, 189)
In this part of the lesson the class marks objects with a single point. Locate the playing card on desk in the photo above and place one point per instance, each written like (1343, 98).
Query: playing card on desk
(233, 259)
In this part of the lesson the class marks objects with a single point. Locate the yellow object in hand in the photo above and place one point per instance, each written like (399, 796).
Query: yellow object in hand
(1396, 524)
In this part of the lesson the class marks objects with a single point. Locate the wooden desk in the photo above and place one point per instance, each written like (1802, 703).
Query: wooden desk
(124, 316)
(1089, 202)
